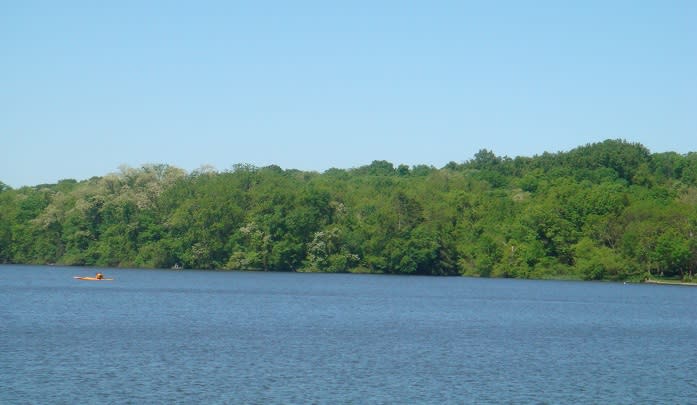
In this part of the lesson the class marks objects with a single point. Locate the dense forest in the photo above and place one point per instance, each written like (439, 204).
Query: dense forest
(611, 210)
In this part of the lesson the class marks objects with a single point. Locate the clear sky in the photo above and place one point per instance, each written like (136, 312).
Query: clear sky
(86, 87)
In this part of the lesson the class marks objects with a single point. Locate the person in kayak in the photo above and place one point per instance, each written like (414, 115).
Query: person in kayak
(99, 276)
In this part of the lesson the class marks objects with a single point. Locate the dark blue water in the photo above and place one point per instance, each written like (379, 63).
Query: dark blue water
(226, 337)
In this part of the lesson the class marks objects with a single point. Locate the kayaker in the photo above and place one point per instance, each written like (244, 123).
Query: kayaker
(99, 276)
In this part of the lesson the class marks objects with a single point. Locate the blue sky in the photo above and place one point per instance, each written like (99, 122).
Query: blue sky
(86, 87)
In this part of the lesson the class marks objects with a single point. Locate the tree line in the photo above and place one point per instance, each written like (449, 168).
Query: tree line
(604, 211)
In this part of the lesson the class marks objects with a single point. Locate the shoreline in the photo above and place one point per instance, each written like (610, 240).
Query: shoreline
(668, 282)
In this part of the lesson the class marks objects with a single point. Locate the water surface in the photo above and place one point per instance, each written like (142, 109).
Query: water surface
(160, 336)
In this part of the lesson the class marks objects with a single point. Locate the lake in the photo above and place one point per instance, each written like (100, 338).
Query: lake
(182, 337)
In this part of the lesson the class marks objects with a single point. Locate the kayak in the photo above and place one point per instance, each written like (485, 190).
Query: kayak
(92, 278)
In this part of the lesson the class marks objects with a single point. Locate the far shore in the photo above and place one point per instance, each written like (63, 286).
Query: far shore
(670, 282)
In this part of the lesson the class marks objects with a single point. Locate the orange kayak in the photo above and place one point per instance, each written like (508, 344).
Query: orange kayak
(92, 278)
